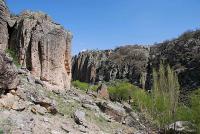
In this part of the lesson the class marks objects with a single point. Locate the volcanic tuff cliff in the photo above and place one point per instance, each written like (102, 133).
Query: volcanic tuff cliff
(135, 62)
(4, 18)
(127, 62)
(41, 45)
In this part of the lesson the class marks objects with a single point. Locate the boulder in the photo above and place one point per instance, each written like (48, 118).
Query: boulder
(102, 91)
(115, 110)
(8, 73)
(20, 105)
(79, 117)
(182, 127)
(38, 109)
(8, 101)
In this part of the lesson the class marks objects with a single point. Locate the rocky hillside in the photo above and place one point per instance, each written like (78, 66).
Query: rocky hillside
(33, 108)
(183, 54)
(40, 45)
(135, 62)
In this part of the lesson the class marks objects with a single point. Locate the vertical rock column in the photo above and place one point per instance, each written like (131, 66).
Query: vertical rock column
(4, 16)
(55, 58)
(43, 47)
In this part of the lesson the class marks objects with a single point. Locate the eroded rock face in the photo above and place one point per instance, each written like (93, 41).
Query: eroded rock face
(128, 62)
(43, 47)
(8, 73)
(4, 17)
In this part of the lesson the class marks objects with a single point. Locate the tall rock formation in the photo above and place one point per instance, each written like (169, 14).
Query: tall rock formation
(128, 62)
(4, 18)
(43, 47)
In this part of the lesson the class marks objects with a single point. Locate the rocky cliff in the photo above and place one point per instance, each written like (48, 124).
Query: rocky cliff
(183, 54)
(128, 62)
(135, 62)
(4, 19)
(41, 45)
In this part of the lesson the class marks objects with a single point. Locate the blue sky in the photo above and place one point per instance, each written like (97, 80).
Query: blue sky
(104, 24)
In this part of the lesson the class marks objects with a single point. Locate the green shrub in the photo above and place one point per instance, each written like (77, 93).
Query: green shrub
(141, 100)
(93, 87)
(165, 94)
(81, 85)
(183, 113)
(13, 54)
(121, 91)
(161, 104)
(84, 85)
(195, 107)
(1, 131)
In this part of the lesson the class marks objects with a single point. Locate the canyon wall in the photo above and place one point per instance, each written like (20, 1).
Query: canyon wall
(128, 62)
(135, 63)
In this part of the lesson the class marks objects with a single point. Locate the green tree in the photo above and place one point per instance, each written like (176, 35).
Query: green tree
(165, 94)
(121, 91)
(195, 107)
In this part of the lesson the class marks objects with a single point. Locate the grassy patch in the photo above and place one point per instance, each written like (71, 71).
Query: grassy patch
(84, 86)
(80, 85)
(195, 107)
(1, 131)
(101, 122)
(64, 107)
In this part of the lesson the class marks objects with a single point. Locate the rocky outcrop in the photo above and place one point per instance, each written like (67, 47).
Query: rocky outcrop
(8, 74)
(43, 47)
(115, 110)
(183, 54)
(102, 91)
(4, 17)
(182, 127)
(128, 62)
(135, 63)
